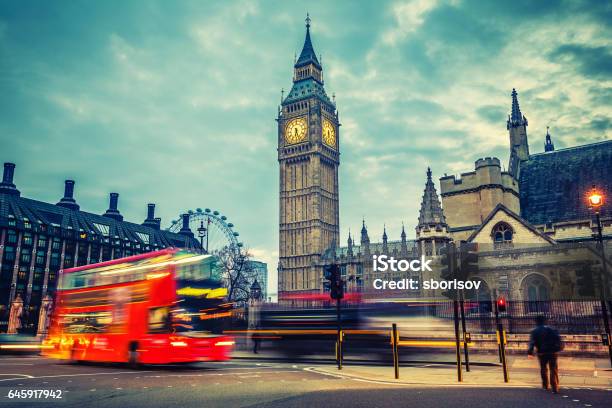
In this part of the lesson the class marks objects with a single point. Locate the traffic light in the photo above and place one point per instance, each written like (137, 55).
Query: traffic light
(327, 271)
(585, 282)
(501, 304)
(336, 284)
(468, 259)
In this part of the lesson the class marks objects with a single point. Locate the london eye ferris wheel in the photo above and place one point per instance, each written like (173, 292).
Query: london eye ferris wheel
(215, 232)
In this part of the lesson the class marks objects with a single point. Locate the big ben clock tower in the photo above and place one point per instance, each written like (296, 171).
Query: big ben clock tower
(308, 155)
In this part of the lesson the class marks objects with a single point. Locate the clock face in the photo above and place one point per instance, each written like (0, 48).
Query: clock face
(329, 133)
(296, 130)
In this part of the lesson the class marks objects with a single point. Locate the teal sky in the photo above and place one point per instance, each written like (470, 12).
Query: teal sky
(174, 102)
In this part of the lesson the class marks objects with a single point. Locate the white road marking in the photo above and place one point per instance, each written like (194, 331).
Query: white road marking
(403, 384)
(11, 379)
(23, 358)
(28, 377)
(241, 375)
(93, 389)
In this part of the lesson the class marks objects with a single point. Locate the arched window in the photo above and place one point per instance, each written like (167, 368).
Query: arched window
(502, 235)
(536, 290)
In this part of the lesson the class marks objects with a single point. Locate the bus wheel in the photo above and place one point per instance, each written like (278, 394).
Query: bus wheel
(133, 355)
(73, 353)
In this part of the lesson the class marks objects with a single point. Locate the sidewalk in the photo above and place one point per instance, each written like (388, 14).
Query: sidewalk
(523, 372)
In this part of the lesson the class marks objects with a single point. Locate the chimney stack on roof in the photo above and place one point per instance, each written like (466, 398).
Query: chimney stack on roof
(112, 211)
(68, 200)
(151, 221)
(185, 230)
(7, 186)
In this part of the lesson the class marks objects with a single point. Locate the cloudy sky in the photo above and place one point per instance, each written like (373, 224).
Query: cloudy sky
(174, 102)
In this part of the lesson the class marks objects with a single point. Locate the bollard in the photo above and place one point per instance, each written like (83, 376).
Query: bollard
(457, 341)
(501, 340)
(394, 345)
(465, 335)
(339, 348)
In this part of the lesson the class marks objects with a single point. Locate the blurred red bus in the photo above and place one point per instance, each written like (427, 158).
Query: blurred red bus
(155, 308)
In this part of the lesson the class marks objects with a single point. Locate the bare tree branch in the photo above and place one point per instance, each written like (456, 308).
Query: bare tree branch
(238, 273)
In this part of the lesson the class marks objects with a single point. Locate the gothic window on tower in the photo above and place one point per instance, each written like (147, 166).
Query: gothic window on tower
(502, 235)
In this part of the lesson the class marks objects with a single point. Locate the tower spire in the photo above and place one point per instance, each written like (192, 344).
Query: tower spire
(519, 145)
(364, 233)
(516, 110)
(385, 246)
(516, 118)
(404, 244)
(308, 55)
(431, 213)
(548, 145)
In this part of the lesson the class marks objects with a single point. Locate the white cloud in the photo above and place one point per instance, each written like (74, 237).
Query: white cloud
(409, 16)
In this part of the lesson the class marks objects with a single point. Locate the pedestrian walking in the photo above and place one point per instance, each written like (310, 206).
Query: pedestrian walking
(547, 343)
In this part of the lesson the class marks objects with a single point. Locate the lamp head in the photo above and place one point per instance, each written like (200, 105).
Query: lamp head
(595, 198)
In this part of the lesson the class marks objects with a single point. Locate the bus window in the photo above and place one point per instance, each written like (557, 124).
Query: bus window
(86, 322)
(159, 320)
(79, 281)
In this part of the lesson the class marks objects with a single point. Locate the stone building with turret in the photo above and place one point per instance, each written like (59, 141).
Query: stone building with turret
(534, 229)
(547, 190)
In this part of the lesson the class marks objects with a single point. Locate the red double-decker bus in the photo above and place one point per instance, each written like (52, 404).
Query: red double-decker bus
(156, 308)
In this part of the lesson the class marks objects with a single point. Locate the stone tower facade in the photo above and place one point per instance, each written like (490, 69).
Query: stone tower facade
(308, 156)
(469, 199)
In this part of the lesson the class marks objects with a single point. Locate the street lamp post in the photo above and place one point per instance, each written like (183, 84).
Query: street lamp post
(202, 234)
(596, 201)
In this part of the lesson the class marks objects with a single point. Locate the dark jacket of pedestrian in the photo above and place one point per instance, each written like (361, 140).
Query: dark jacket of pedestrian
(545, 339)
